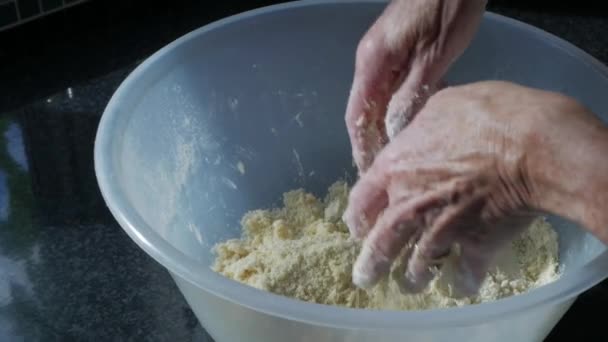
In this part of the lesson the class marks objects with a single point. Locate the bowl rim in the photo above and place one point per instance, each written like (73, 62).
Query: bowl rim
(568, 286)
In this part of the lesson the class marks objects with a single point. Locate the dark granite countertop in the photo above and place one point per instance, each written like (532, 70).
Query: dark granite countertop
(67, 270)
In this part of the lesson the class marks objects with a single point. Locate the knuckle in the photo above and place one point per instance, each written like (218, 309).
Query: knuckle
(370, 51)
(568, 103)
(399, 230)
(350, 118)
(365, 48)
(379, 250)
(377, 176)
(446, 93)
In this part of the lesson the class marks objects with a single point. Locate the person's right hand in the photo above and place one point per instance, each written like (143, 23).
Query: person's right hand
(470, 171)
(403, 56)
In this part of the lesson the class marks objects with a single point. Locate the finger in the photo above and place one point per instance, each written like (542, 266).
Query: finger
(375, 79)
(371, 193)
(383, 244)
(392, 231)
(479, 242)
(436, 243)
(405, 102)
(366, 200)
(399, 272)
(479, 246)
(470, 271)
(419, 84)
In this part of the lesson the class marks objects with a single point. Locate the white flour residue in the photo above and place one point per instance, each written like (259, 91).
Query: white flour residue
(193, 144)
(196, 232)
(400, 112)
(185, 160)
(229, 183)
(241, 167)
(297, 118)
(233, 104)
(299, 166)
(246, 153)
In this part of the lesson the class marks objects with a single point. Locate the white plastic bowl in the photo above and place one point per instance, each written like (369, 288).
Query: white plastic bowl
(268, 88)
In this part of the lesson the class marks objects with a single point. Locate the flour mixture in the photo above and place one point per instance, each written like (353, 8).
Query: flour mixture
(304, 251)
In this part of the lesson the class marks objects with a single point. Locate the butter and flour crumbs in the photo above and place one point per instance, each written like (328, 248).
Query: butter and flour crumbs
(304, 251)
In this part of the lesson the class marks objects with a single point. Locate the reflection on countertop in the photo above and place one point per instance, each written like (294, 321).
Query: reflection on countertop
(67, 270)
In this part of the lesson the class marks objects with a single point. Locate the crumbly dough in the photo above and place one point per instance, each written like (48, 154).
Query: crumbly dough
(304, 251)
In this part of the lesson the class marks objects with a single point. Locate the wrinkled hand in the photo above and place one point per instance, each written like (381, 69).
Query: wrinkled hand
(403, 56)
(466, 172)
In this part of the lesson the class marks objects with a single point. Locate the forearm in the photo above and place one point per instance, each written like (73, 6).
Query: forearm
(570, 172)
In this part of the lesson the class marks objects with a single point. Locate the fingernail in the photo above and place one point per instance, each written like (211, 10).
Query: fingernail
(368, 268)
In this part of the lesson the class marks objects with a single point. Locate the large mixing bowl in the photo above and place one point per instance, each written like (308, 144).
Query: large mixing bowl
(230, 116)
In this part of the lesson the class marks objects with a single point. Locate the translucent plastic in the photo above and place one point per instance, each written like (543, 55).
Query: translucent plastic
(230, 116)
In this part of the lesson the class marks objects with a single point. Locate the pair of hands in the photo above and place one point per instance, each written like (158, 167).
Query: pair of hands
(474, 163)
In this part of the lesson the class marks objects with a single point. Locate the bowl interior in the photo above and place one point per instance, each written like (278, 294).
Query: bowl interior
(231, 118)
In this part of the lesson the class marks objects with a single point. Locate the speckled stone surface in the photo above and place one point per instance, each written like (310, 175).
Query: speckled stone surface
(67, 270)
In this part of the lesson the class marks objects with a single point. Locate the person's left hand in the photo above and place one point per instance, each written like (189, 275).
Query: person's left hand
(399, 63)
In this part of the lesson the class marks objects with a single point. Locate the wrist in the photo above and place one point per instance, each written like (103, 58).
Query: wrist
(568, 168)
